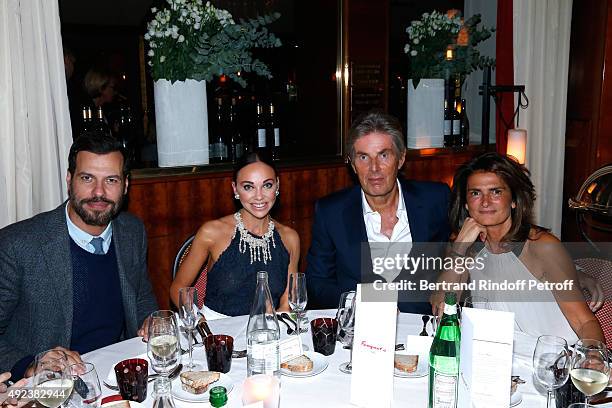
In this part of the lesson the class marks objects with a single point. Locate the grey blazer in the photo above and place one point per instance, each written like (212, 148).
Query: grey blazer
(36, 283)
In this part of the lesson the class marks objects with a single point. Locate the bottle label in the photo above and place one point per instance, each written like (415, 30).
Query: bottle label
(456, 127)
(450, 309)
(444, 393)
(447, 127)
(276, 137)
(261, 137)
(268, 353)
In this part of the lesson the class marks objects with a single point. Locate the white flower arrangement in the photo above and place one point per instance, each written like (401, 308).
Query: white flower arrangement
(180, 34)
(431, 36)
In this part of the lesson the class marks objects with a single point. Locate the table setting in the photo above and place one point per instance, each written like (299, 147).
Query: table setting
(326, 382)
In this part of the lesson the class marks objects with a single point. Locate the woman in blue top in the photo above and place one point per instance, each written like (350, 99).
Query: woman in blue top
(235, 247)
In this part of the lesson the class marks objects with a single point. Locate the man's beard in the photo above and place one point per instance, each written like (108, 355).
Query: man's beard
(95, 218)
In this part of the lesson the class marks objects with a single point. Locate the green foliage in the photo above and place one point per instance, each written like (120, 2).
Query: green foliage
(430, 37)
(191, 40)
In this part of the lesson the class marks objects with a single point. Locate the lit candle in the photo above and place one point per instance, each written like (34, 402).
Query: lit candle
(449, 53)
(261, 388)
(517, 144)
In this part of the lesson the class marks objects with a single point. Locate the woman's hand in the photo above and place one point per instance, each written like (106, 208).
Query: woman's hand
(594, 288)
(470, 232)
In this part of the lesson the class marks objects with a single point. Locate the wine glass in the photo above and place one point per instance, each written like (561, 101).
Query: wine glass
(298, 297)
(188, 301)
(590, 369)
(52, 380)
(346, 326)
(551, 363)
(87, 391)
(163, 347)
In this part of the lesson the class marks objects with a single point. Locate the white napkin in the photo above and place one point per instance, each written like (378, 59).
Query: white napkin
(210, 314)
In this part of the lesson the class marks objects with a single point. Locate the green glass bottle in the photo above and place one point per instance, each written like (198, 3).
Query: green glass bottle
(218, 397)
(444, 357)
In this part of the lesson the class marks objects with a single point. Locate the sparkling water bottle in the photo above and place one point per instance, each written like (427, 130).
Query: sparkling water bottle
(263, 332)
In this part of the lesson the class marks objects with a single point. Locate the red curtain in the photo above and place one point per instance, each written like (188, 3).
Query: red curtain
(504, 69)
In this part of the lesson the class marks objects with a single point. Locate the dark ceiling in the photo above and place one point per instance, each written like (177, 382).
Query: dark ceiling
(105, 12)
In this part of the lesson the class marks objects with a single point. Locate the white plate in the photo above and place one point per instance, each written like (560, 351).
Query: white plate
(319, 364)
(516, 398)
(421, 371)
(179, 393)
(111, 378)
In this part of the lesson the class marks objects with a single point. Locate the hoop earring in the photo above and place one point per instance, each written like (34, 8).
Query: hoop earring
(237, 197)
(277, 193)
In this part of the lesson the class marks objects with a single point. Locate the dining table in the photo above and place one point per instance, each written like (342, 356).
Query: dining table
(329, 388)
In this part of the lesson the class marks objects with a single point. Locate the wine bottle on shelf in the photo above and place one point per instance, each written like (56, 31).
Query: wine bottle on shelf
(444, 358)
(86, 120)
(456, 126)
(263, 332)
(218, 146)
(274, 132)
(99, 124)
(236, 143)
(465, 125)
(260, 126)
(448, 125)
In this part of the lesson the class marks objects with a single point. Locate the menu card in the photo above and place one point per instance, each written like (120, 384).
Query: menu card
(485, 367)
(373, 349)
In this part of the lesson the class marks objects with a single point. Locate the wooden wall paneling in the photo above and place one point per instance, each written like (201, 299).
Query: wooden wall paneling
(586, 127)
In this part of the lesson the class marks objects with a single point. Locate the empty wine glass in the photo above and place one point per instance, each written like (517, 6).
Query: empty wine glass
(188, 300)
(87, 391)
(590, 368)
(298, 298)
(551, 363)
(52, 380)
(346, 326)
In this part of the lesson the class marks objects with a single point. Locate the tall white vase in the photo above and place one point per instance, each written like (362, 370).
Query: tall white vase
(181, 117)
(425, 127)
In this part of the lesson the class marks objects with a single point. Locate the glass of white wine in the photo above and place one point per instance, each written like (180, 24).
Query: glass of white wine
(163, 347)
(551, 363)
(52, 380)
(590, 368)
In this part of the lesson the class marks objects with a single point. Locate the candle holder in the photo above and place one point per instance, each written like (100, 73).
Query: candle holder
(261, 387)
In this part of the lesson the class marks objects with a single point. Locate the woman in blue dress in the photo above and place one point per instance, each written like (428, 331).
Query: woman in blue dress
(235, 247)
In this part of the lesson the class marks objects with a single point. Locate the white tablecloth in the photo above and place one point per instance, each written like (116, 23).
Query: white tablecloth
(331, 388)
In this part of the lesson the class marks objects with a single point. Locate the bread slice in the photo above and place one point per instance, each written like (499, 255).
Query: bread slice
(406, 363)
(301, 364)
(197, 382)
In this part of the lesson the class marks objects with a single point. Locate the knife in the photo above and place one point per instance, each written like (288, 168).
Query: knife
(203, 328)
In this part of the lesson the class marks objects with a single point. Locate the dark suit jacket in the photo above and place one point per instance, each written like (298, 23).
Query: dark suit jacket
(36, 283)
(338, 231)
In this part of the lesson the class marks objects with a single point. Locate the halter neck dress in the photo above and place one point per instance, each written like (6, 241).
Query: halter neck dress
(535, 312)
(232, 279)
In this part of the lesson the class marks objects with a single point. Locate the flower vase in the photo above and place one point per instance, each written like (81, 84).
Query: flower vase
(425, 127)
(181, 117)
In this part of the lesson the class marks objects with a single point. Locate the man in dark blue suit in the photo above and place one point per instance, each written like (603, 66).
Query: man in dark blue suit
(382, 209)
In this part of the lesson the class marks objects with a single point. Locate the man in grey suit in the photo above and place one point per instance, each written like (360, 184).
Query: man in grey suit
(75, 278)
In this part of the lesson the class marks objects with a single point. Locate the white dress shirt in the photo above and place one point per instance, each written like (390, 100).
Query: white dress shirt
(381, 246)
(83, 239)
(373, 223)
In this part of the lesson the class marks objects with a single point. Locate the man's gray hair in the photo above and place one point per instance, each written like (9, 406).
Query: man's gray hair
(376, 122)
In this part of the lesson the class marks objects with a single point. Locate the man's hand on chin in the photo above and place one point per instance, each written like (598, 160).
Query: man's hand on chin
(73, 357)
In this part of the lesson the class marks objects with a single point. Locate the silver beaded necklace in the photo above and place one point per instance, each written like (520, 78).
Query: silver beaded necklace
(259, 248)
